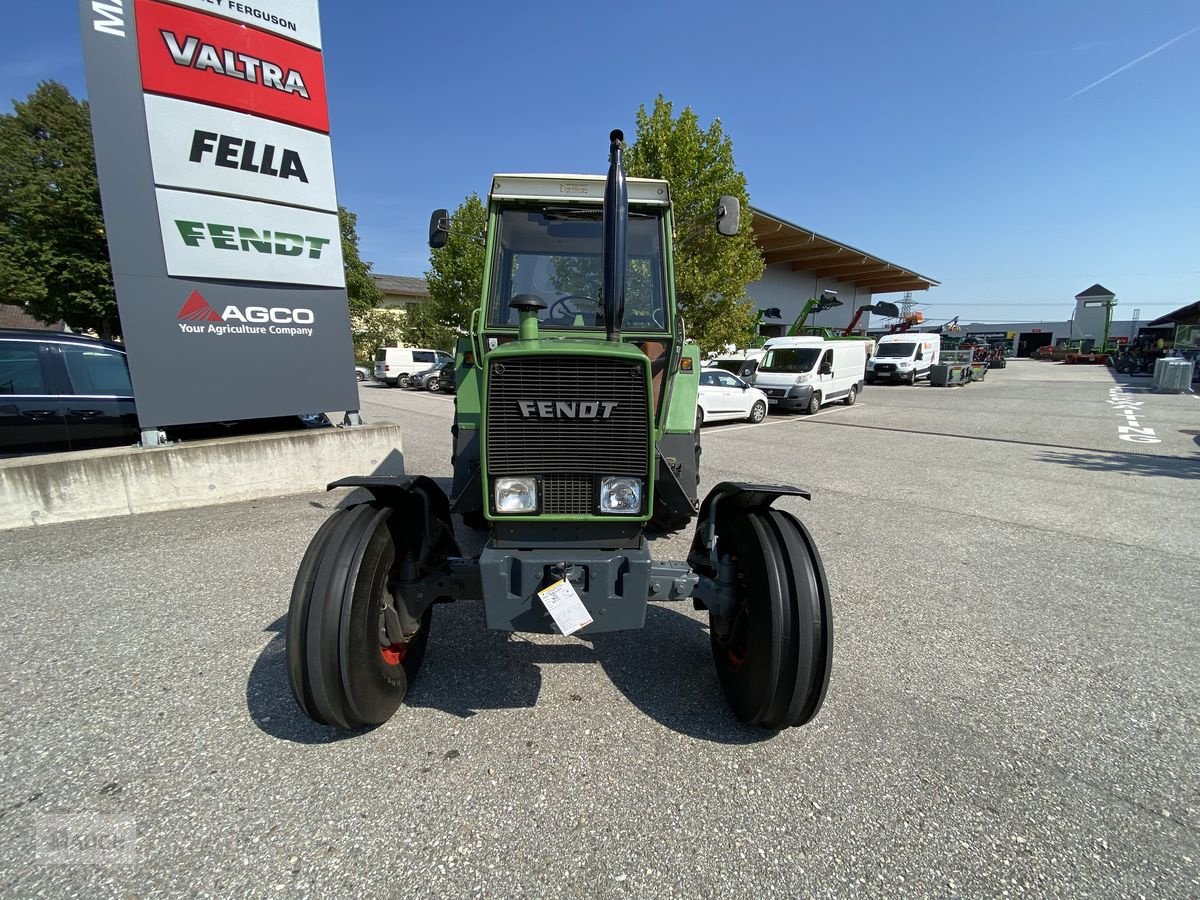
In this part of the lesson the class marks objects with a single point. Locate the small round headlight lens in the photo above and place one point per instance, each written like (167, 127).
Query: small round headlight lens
(516, 495)
(621, 495)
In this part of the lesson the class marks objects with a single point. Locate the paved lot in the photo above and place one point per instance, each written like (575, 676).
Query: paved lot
(1014, 709)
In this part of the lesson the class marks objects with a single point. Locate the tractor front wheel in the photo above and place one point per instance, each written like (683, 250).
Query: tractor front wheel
(344, 669)
(773, 658)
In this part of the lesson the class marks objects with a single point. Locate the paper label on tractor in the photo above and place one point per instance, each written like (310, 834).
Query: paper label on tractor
(565, 607)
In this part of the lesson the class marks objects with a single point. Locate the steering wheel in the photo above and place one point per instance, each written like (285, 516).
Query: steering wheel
(571, 312)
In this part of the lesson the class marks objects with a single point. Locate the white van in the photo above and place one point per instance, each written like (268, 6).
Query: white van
(742, 363)
(807, 372)
(394, 365)
(904, 357)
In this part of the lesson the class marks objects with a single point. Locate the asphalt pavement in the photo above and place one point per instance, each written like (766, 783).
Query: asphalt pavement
(1014, 707)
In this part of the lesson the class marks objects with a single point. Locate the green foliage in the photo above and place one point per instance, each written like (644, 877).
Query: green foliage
(455, 280)
(711, 271)
(53, 252)
(375, 328)
(361, 290)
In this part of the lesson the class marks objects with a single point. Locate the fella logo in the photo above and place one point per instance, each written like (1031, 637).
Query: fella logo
(197, 316)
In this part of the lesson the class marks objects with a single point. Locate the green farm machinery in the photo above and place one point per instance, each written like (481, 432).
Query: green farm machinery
(574, 437)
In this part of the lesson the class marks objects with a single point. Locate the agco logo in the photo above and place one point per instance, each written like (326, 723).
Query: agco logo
(198, 316)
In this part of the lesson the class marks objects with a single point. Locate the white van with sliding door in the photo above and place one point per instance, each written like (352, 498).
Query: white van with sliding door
(394, 365)
(904, 357)
(805, 373)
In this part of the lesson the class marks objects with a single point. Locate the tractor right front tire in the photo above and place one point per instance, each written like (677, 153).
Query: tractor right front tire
(340, 670)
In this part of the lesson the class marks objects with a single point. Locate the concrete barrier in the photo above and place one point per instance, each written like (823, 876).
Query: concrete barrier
(92, 484)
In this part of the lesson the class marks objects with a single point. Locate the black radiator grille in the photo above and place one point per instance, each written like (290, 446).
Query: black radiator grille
(564, 494)
(567, 450)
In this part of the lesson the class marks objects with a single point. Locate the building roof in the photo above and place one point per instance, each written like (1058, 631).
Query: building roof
(784, 242)
(1191, 311)
(13, 316)
(403, 285)
(1096, 290)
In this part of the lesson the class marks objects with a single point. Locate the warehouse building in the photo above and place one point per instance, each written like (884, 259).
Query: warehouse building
(1087, 323)
(800, 264)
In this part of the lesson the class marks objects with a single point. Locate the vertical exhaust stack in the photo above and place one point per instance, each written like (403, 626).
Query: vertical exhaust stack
(616, 225)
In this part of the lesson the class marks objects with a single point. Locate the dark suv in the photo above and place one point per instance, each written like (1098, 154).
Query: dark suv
(63, 392)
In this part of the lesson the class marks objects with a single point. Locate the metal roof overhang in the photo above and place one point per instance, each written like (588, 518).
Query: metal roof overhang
(1184, 312)
(783, 242)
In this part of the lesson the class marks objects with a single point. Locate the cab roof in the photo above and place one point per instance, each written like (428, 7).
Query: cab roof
(576, 188)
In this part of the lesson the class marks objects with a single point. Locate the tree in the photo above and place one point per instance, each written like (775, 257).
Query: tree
(53, 252)
(455, 280)
(711, 271)
(361, 290)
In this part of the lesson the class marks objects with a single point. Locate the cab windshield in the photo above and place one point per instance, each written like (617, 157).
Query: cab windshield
(798, 359)
(895, 351)
(555, 254)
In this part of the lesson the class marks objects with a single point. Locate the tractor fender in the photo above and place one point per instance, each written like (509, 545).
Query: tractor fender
(727, 501)
(423, 519)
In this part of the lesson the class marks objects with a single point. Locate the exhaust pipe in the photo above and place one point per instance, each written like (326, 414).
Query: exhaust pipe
(616, 225)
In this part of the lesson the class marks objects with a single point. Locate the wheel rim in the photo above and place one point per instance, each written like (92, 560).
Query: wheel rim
(758, 413)
(393, 654)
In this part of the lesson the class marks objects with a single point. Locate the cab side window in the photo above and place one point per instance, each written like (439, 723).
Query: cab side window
(98, 372)
(20, 370)
(727, 380)
(826, 364)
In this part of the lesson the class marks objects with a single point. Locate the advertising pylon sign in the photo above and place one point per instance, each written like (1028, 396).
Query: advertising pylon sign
(211, 128)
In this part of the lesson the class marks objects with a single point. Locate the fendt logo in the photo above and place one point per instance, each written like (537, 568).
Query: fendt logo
(197, 316)
(566, 409)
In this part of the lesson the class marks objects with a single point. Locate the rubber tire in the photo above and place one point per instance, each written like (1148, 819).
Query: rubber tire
(432, 385)
(360, 377)
(787, 654)
(699, 418)
(912, 380)
(335, 666)
(814, 404)
(852, 396)
(758, 412)
(402, 381)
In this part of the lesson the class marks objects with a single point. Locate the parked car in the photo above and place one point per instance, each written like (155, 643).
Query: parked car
(725, 396)
(362, 373)
(396, 365)
(63, 392)
(433, 379)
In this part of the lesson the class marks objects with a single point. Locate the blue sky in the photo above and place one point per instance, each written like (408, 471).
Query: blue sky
(938, 135)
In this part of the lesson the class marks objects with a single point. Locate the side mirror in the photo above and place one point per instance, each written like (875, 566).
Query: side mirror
(729, 216)
(439, 228)
(826, 369)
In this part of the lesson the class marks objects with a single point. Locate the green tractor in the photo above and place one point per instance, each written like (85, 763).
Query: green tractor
(574, 436)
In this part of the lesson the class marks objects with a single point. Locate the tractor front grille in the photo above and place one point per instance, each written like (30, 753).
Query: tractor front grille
(567, 419)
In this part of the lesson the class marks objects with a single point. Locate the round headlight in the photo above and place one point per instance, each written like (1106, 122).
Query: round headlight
(621, 495)
(516, 495)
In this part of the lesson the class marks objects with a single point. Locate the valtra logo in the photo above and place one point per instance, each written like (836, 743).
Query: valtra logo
(208, 59)
(197, 316)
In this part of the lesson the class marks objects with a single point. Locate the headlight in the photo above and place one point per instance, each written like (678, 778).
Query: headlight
(870, 363)
(621, 495)
(904, 364)
(803, 379)
(517, 494)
